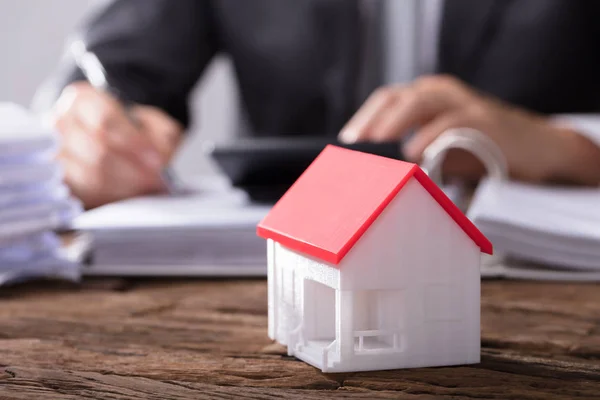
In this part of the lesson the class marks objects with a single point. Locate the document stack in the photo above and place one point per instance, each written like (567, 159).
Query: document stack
(33, 201)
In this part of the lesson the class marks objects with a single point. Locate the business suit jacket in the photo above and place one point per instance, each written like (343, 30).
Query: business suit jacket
(297, 61)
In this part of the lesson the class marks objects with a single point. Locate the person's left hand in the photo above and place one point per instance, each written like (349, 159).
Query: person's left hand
(535, 149)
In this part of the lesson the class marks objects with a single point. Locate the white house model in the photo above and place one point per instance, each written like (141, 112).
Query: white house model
(371, 266)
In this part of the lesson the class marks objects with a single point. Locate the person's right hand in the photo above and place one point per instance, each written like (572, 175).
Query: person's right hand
(106, 155)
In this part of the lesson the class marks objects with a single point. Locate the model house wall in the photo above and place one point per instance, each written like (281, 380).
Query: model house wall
(428, 269)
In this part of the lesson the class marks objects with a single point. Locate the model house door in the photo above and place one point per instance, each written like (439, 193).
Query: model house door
(319, 311)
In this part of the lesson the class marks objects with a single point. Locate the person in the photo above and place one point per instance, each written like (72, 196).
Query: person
(525, 74)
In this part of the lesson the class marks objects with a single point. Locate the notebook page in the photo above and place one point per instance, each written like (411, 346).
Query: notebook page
(200, 210)
(568, 212)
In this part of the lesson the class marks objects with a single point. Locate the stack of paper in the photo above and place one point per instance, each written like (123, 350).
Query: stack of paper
(212, 232)
(551, 232)
(33, 200)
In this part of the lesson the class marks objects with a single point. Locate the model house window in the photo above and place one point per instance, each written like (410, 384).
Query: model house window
(378, 321)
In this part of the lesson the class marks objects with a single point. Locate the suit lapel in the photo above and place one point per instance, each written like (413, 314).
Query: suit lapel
(467, 27)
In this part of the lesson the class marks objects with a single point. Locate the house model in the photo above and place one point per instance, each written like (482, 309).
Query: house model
(371, 266)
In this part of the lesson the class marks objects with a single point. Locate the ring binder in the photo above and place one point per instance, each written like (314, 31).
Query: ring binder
(539, 232)
(471, 140)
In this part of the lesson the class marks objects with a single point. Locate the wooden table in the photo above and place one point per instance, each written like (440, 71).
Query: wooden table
(115, 339)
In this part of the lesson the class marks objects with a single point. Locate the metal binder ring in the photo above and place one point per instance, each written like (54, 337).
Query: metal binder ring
(471, 140)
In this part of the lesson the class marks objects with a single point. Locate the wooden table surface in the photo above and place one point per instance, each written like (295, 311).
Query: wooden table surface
(194, 339)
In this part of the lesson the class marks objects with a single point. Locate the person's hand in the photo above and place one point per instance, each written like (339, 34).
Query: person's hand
(107, 154)
(536, 150)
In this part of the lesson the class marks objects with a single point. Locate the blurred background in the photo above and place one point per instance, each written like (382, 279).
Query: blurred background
(518, 57)
(34, 33)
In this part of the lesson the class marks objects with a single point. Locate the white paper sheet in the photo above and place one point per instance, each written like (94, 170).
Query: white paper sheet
(35, 193)
(21, 133)
(30, 247)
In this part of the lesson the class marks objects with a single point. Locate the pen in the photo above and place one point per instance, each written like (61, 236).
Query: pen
(95, 73)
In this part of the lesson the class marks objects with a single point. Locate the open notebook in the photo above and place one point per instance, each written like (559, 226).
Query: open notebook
(539, 232)
(209, 232)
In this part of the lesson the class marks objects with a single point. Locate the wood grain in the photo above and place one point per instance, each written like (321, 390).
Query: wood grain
(194, 339)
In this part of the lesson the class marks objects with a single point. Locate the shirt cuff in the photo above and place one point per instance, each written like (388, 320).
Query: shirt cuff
(587, 125)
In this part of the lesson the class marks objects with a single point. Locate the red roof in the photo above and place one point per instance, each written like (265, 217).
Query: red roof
(339, 196)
